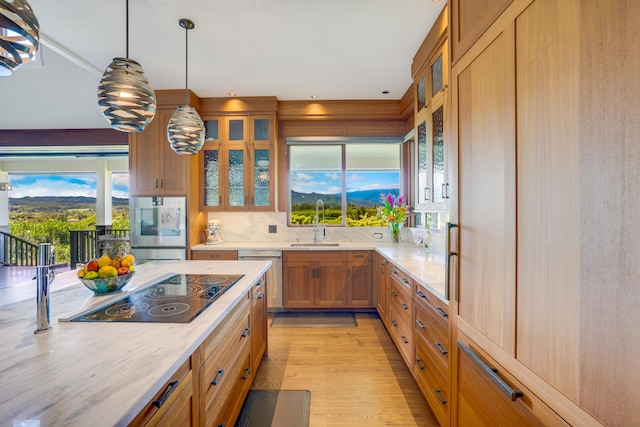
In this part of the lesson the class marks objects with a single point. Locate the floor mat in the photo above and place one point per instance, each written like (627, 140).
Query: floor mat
(275, 408)
(314, 320)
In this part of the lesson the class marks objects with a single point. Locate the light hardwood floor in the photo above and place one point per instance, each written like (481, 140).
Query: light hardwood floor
(355, 375)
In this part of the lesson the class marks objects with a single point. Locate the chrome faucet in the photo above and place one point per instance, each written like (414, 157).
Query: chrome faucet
(45, 274)
(316, 222)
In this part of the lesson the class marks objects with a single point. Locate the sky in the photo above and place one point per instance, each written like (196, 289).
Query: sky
(330, 182)
(79, 184)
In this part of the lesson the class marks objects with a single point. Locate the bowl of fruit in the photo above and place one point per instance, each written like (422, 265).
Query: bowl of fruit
(106, 275)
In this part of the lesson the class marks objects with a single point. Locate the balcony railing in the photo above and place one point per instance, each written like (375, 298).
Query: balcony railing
(17, 251)
(83, 244)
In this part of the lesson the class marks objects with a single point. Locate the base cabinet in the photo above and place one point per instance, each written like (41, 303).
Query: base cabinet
(209, 389)
(174, 404)
(327, 279)
(488, 395)
(381, 278)
(400, 314)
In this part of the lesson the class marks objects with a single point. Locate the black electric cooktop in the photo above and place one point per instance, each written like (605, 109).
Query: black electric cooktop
(176, 299)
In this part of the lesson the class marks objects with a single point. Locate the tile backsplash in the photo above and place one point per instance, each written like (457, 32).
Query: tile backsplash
(255, 226)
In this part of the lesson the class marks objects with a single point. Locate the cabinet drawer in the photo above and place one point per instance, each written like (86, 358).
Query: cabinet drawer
(432, 382)
(308, 256)
(260, 289)
(171, 401)
(434, 335)
(401, 278)
(401, 333)
(220, 370)
(439, 307)
(488, 395)
(228, 405)
(215, 255)
(400, 321)
(360, 256)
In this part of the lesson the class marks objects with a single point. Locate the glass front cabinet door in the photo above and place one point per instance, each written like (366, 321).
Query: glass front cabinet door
(237, 166)
(432, 181)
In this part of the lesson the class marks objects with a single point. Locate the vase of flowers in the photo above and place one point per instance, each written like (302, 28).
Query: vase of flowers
(394, 212)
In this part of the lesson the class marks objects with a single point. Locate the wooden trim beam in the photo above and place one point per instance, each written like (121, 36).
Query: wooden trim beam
(62, 137)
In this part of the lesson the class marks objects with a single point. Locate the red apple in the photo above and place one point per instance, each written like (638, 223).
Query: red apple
(122, 271)
(93, 265)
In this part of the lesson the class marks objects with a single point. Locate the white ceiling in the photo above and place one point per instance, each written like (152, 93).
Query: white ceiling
(291, 49)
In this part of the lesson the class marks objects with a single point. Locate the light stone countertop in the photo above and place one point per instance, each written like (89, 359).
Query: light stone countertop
(99, 374)
(428, 270)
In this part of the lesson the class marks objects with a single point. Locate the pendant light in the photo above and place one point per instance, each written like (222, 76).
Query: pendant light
(125, 97)
(19, 35)
(185, 129)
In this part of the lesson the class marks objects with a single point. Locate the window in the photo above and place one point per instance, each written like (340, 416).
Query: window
(348, 177)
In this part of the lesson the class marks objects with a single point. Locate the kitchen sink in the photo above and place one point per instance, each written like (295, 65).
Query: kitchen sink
(314, 244)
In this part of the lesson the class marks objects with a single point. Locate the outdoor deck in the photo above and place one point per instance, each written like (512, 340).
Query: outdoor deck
(16, 275)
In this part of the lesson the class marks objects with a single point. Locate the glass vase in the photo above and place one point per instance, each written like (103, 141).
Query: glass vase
(395, 228)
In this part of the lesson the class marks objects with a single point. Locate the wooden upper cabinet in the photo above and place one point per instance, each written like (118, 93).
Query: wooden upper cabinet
(485, 94)
(237, 166)
(156, 170)
(430, 71)
(469, 19)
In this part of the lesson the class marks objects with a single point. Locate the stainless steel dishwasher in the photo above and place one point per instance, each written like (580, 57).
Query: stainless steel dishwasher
(274, 275)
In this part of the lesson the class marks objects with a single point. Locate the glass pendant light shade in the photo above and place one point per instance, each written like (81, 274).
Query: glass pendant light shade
(186, 130)
(125, 96)
(19, 35)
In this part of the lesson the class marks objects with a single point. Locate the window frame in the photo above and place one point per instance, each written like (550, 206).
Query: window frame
(343, 142)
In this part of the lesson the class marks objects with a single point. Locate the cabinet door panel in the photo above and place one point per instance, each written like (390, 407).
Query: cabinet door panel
(297, 284)
(486, 133)
(360, 279)
(548, 177)
(331, 284)
(469, 19)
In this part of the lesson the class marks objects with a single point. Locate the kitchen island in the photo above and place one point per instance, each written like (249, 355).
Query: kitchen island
(103, 373)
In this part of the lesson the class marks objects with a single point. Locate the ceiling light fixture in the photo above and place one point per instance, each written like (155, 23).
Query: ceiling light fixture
(19, 35)
(125, 97)
(185, 129)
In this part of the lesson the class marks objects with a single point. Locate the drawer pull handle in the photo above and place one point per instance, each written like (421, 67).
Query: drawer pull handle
(405, 306)
(261, 295)
(259, 283)
(441, 312)
(393, 322)
(442, 350)
(170, 388)
(420, 294)
(246, 373)
(404, 339)
(393, 271)
(420, 365)
(393, 294)
(216, 380)
(404, 280)
(492, 373)
(419, 323)
(443, 401)
(246, 332)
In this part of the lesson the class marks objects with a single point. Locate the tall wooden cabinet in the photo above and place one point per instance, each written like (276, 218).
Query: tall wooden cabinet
(548, 204)
(156, 169)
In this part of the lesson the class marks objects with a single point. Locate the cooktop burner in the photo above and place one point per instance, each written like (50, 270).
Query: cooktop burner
(176, 299)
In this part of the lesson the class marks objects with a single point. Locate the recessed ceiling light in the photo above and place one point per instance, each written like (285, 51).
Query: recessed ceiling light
(314, 96)
(232, 94)
(385, 92)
